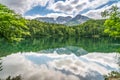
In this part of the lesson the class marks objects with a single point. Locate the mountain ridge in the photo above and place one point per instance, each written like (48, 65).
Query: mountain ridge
(67, 20)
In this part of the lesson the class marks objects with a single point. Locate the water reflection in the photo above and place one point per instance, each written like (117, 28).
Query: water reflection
(66, 50)
(34, 66)
(35, 45)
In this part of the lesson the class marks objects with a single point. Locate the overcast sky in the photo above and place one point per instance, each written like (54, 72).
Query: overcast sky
(54, 8)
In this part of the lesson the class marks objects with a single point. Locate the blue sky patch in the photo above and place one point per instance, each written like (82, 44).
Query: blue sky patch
(108, 3)
(39, 10)
(59, 0)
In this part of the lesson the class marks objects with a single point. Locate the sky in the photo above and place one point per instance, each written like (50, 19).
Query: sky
(55, 8)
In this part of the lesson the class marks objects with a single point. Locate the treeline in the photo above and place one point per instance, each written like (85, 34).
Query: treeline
(15, 28)
(91, 28)
(43, 29)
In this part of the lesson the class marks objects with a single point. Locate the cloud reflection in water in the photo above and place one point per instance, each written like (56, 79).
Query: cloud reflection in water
(34, 66)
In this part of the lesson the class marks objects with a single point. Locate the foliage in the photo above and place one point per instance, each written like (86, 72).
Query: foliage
(112, 24)
(113, 76)
(12, 26)
(105, 45)
(14, 78)
(42, 29)
(91, 28)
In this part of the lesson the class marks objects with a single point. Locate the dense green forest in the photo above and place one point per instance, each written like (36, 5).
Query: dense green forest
(42, 29)
(91, 28)
(13, 27)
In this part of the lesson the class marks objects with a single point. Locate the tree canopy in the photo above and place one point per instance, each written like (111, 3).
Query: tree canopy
(112, 24)
(12, 26)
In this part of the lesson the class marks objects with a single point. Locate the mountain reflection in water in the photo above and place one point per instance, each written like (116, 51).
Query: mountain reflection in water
(53, 66)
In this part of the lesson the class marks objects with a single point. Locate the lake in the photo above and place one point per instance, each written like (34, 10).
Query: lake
(60, 58)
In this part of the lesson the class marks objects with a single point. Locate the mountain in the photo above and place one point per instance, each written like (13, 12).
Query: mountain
(63, 20)
(46, 19)
(78, 19)
(68, 20)
(58, 20)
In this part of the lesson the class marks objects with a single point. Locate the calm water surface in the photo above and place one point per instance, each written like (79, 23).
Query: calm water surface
(60, 59)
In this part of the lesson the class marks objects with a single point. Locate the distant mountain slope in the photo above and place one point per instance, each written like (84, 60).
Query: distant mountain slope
(46, 19)
(68, 20)
(78, 19)
(63, 20)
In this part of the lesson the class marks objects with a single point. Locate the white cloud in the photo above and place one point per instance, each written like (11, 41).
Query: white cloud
(54, 15)
(61, 6)
(93, 14)
(96, 14)
(68, 7)
(96, 3)
(76, 6)
(34, 66)
(22, 6)
(32, 16)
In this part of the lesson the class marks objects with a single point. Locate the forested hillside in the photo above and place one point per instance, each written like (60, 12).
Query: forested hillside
(13, 27)
(91, 28)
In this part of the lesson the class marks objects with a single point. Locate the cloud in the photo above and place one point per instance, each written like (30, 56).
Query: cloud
(80, 6)
(22, 6)
(34, 66)
(62, 7)
(74, 7)
(74, 1)
(96, 3)
(96, 14)
(67, 7)
(54, 15)
(32, 16)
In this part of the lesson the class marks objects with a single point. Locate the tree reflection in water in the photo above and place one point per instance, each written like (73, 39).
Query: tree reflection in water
(114, 75)
(10, 78)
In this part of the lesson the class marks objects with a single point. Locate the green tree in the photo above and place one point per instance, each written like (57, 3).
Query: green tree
(112, 24)
(91, 28)
(113, 76)
(12, 26)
